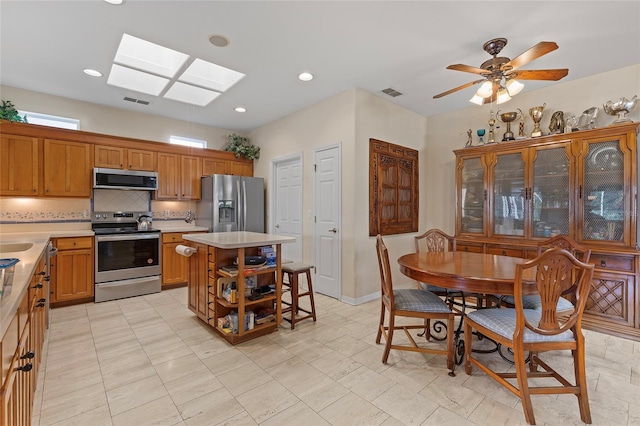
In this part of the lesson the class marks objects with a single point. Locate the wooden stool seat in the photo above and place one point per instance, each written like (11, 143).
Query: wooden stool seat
(293, 271)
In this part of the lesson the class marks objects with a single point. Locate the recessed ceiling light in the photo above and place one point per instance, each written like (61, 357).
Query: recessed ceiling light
(241, 109)
(305, 76)
(116, 2)
(219, 40)
(92, 73)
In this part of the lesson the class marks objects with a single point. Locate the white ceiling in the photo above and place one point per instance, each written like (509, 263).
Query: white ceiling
(45, 45)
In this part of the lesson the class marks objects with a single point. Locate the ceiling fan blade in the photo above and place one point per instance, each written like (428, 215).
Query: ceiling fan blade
(464, 86)
(535, 52)
(467, 68)
(552, 75)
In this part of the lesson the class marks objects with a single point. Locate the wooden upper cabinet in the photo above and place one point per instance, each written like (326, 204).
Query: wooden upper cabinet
(190, 177)
(168, 176)
(67, 169)
(19, 165)
(241, 168)
(110, 157)
(140, 159)
(113, 157)
(214, 166)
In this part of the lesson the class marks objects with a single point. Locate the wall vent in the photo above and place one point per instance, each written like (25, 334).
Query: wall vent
(391, 92)
(136, 101)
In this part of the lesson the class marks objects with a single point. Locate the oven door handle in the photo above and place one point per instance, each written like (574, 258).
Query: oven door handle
(127, 282)
(127, 237)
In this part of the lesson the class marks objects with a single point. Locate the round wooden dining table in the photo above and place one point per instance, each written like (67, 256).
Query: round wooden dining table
(467, 271)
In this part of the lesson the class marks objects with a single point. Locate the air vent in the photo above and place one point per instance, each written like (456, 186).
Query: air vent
(391, 92)
(136, 101)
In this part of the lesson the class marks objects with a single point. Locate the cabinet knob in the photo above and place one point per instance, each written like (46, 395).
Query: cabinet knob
(41, 273)
(28, 355)
(42, 300)
(25, 368)
(603, 263)
(37, 286)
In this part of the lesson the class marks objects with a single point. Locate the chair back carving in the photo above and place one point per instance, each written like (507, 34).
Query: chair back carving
(557, 272)
(386, 283)
(562, 241)
(435, 240)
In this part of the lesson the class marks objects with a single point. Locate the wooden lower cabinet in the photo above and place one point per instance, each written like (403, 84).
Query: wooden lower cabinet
(72, 270)
(21, 349)
(175, 267)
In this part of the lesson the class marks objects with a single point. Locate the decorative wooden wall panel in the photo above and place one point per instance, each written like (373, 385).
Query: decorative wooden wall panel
(393, 188)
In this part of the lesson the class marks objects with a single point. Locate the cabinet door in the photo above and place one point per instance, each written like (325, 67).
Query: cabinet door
(213, 166)
(241, 168)
(471, 196)
(551, 197)
(74, 275)
(109, 156)
(191, 174)
(509, 196)
(16, 401)
(19, 161)
(604, 195)
(67, 169)
(198, 281)
(168, 176)
(174, 266)
(139, 159)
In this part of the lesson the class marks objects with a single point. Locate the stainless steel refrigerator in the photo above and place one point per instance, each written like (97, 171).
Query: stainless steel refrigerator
(231, 203)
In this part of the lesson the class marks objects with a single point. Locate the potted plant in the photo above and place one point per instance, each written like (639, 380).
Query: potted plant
(9, 112)
(241, 146)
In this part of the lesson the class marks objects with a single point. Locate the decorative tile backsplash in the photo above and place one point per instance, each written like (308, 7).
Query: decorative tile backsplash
(72, 210)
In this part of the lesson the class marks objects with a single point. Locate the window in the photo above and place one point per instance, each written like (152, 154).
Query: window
(51, 120)
(194, 143)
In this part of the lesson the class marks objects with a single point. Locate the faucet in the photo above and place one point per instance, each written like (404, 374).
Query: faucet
(191, 216)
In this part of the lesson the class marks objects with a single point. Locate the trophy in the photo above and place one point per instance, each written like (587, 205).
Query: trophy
(621, 108)
(480, 133)
(508, 118)
(536, 115)
(521, 134)
(491, 122)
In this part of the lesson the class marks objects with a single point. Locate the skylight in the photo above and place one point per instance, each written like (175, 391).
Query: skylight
(146, 67)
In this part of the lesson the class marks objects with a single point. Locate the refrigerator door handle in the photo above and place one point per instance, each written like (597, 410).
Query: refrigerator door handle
(244, 205)
(238, 212)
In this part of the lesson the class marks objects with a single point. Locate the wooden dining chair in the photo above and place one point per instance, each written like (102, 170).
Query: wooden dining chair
(523, 330)
(412, 303)
(533, 301)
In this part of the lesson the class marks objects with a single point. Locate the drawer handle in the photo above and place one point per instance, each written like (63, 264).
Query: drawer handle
(37, 286)
(603, 263)
(25, 368)
(41, 273)
(504, 253)
(28, 355)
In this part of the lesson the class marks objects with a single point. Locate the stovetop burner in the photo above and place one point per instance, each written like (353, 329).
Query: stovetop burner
(104, 223)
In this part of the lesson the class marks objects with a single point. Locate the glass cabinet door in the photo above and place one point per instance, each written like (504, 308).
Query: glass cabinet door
(603, 194)
(550, 195)
(472, 196)
(509, 195)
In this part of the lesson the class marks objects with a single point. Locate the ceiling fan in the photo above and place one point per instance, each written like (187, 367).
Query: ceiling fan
(500, 75)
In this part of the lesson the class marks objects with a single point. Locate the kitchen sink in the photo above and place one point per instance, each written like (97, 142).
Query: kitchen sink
(14, 247)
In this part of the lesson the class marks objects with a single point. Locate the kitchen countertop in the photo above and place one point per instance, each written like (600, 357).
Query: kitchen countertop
(230, 240)
(22, 273)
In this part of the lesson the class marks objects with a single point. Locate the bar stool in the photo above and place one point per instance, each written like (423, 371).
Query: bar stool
(293, 271)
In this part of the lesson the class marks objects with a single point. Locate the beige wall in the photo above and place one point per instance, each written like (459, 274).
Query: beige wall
(447, 132)
(113, 121)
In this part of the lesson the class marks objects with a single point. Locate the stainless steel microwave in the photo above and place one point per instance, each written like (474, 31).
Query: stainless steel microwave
(124, 179)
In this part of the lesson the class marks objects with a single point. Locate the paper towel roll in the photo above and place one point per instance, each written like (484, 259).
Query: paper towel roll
(185, 250)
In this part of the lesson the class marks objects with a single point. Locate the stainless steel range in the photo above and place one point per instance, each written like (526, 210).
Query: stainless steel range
(127, 255)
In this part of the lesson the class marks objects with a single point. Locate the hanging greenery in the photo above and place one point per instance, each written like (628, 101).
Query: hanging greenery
(9, 112)
(241, 146)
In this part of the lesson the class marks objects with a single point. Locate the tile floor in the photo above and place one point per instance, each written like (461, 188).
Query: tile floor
(148, 361)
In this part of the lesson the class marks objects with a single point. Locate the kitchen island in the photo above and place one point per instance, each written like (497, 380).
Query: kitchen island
(239, 301)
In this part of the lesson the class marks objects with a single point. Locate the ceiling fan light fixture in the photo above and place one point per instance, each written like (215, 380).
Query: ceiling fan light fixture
(503, 96)
(514, 87)
(478, 100)
(485, 89)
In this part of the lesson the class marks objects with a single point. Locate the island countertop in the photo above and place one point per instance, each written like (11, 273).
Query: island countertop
(239, 239)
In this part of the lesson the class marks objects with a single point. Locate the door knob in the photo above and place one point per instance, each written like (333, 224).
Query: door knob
(278, 226)
(334, 230)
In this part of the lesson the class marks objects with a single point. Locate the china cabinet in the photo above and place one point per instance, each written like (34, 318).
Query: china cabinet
(511, 195)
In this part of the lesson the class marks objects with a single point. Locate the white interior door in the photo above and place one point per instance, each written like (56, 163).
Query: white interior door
(327, 240)
(288, 204)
